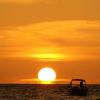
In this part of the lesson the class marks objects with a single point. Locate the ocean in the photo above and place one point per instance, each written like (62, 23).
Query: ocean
(44, 92)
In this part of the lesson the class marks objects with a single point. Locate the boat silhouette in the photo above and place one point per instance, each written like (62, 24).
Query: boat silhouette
(78, 87)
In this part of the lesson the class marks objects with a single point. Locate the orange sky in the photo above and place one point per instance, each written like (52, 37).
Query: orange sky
(61, 34)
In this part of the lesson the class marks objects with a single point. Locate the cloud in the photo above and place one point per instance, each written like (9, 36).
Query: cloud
(23, 12)
(70, 38)
(20, 1)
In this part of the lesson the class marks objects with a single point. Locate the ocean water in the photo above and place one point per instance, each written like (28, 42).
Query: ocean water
(44, 92)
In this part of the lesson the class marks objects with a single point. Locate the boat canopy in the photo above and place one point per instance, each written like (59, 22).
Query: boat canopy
(78, 80)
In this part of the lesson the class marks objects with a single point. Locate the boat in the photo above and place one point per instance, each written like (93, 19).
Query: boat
(78, 87)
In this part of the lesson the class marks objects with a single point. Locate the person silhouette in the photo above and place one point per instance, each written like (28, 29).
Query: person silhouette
(81, 84)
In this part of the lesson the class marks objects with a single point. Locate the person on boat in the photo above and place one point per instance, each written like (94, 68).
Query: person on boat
(81, 84)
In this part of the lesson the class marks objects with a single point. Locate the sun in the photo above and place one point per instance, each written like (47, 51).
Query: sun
(47, 75)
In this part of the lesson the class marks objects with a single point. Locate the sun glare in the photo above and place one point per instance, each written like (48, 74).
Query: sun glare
(47, 75)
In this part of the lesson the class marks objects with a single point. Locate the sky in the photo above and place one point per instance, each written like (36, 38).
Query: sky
(61, 34)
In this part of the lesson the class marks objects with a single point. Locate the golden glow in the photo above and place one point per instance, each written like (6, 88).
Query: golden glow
(49, 56)
(47, 75)
(57, 39)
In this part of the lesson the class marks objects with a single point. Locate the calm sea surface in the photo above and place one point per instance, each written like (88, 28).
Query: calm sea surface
(44, 92)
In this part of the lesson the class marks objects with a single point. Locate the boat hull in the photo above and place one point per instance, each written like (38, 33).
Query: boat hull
(78, 91)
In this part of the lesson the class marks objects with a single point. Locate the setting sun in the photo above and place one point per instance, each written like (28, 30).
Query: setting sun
(47, 75)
